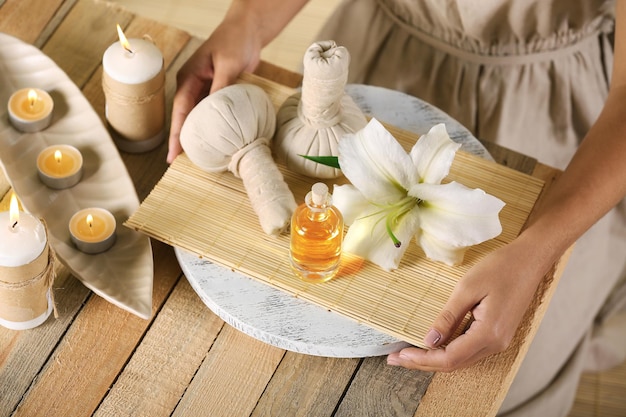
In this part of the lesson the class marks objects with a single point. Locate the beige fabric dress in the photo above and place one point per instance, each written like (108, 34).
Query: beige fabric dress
(531, 75)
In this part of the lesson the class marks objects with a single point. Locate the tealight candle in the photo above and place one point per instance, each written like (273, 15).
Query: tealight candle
(60, 166)
(133, 81)
(30, 109)
(93, 230)
(26, 270)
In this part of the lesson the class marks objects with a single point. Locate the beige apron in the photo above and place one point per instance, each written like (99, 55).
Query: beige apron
(531, 75)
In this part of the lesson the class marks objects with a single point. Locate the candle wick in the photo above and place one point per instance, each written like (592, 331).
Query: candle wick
(130, 51)
(14, 224)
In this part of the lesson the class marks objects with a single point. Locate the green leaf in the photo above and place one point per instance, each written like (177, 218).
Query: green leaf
(331, 161)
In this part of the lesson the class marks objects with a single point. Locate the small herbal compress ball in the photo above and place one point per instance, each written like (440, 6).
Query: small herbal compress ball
(231, 130)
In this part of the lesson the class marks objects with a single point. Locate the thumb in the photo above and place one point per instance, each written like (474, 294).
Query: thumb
(449, 318)
(221, 79)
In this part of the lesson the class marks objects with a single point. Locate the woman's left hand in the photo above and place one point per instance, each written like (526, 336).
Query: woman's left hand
(497, 291)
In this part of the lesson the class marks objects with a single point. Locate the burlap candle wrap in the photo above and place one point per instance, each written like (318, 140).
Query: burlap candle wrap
(26, 298)
(136, 112)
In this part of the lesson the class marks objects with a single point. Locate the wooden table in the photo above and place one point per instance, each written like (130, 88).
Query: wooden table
(97, 359)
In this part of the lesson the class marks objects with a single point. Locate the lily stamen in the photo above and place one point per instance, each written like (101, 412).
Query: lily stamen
(393, 237)
(396, 212)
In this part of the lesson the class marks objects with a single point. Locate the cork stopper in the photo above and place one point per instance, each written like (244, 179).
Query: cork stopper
(319, 194)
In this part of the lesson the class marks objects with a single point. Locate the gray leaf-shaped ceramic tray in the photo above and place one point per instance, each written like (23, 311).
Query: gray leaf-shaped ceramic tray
(122, 275)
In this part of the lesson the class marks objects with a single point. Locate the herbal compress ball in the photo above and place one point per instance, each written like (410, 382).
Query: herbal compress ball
(312, 121)
(231, 130)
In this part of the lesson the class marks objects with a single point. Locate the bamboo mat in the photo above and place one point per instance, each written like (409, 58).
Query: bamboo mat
(210, 215)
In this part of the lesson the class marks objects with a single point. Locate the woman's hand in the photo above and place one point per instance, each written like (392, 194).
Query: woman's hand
(231, 49)
(234, 47)
(497, 291)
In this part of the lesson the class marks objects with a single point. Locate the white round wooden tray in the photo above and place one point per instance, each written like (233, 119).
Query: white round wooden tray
(278, 318)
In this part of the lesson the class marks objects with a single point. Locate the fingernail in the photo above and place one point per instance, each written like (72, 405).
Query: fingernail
(432, 338)
(393, 361)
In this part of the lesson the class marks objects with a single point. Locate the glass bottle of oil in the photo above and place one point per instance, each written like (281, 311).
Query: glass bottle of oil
(316, 236)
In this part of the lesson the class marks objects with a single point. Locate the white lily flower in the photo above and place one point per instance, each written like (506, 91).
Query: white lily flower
(395, 196)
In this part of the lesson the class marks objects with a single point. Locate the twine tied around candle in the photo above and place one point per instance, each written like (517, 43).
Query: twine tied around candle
(123, 95)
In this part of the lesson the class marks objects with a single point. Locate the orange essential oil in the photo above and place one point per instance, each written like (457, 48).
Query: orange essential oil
(316, 236)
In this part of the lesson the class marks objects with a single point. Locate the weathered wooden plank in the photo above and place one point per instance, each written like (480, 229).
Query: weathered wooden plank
(23, 353)
(164, 363)
(94, 350)
(547, 174)
(52, 25)
(380, 390)
(272, 72)
(306, 386)
(17, 17)
(82, 37)
(231, 378)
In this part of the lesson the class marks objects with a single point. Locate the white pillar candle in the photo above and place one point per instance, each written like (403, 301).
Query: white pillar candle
(22, 238)
(93, 230)
(60, 166)
(133, 80)
(25, 270)
(30, 109)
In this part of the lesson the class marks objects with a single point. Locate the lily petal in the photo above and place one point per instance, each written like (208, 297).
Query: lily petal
(458, 215)
(376, 163)
(438, 250)
(367, 237)
(433, 154)
(350, 202)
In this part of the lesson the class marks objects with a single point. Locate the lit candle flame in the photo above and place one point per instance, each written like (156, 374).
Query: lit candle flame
(14, 211)
(58, 156)
(32, 98)
(123, 40)
(90, 221)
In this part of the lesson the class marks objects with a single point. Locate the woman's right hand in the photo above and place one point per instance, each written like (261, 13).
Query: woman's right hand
(233, 48)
